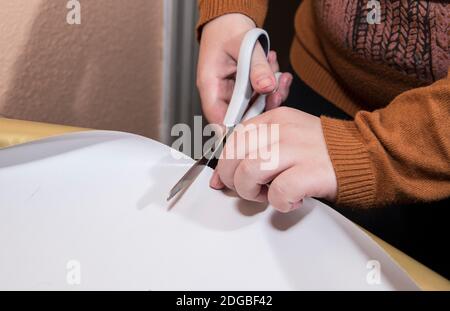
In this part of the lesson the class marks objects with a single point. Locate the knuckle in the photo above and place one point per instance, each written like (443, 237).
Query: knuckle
(246, 169)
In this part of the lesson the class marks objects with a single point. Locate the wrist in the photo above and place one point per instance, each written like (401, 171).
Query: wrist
(231, 22)
(253, 10)
(352, 163)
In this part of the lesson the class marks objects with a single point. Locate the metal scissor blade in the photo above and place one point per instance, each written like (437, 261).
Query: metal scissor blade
(189, 177)
(198, 167)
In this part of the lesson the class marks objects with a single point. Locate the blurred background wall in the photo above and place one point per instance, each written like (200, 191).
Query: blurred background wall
(104, 73)
(129, 66)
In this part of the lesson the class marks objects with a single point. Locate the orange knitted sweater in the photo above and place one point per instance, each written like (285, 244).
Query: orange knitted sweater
(392, 77)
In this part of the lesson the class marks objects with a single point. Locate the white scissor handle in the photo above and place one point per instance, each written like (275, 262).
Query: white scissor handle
(243, 91)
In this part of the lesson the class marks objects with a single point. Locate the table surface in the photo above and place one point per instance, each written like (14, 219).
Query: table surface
(13, 132)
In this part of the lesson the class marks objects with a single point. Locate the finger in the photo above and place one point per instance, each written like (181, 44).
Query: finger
(276, 99)
(261, 74)
(254, 173)
(239, 143)
(273, 101)
(270, 117)
(285, 82)
(288, 190)
(273, 61)
(244, 140)
(215, 181)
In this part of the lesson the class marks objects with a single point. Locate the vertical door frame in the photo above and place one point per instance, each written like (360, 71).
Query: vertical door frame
(180, 51)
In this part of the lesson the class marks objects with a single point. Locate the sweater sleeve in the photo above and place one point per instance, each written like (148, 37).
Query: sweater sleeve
(396, 155)
(210, 9)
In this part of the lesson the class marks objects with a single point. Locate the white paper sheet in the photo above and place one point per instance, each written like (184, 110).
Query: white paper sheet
(87, 211)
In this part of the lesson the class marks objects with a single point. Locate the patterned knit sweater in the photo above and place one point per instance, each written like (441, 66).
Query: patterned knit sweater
(387, 64)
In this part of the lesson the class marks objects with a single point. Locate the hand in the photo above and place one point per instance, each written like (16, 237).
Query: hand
(303, 167)
(219, 51)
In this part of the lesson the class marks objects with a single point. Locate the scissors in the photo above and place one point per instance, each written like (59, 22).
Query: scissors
(238, 109)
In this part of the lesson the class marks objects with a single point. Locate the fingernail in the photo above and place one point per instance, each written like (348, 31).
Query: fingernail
(265, 83)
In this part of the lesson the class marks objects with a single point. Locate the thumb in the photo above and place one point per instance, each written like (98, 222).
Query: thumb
(261, 74)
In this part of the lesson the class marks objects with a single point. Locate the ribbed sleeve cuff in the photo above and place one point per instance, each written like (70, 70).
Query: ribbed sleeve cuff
(351, 162)
(210, 9)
